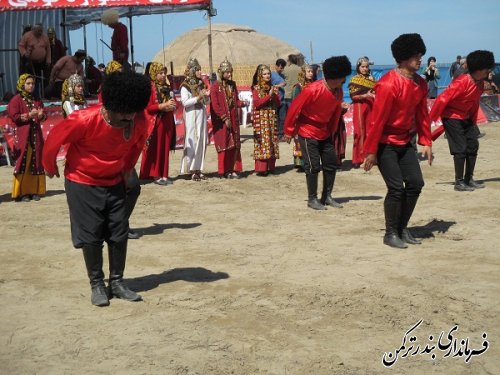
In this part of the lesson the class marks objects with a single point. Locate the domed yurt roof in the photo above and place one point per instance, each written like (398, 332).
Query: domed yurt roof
(244, 47)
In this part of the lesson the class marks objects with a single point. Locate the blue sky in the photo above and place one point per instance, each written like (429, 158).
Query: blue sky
(352, 28)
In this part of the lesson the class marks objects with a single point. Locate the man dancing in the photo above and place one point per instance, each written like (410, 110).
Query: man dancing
(458, 106)
(400, 105)
(314, 115)
(105, 142)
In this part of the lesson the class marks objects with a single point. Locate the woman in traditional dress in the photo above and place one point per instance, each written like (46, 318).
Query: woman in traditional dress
(265, 121)
(362, 96)
(27, 113)
(72, 95)
(155, 156)
(194, 96)
(224, 104)
(306, 76)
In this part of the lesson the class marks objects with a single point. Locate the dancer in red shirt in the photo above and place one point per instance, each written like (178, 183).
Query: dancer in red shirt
(105, 142)
(314, 116)
(458, 106)
(400, 105)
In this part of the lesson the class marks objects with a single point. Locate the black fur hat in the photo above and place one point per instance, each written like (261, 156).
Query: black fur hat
(126, 92)
(336, 67)
(406, 46)
(479, 60)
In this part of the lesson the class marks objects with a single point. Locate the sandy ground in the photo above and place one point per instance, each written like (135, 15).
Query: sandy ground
(239, 277)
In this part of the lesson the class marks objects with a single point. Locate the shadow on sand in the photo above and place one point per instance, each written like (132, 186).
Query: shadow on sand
(189, 274)
(428, 230)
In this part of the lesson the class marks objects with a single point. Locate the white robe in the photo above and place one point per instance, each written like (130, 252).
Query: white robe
(69, 107)
(196, 133)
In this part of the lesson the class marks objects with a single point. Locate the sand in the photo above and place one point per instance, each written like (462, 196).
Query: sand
(239, 277)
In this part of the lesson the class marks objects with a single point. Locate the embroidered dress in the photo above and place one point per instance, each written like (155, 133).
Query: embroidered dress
(29, 175)
(362, 107)
(265, 129)
(224, 105)
(156, 154)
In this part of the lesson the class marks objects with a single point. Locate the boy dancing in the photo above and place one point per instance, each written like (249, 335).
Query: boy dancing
(314, 115)
(400, 104)
(458, 106)
(105, 142)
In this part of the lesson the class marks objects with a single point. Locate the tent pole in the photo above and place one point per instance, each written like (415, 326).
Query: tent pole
(131, 43)
(210, 62)
(84, 35)
(63, 25)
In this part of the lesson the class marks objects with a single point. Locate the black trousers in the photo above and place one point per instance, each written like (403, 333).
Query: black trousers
(462, 137)
(400, 170)
(317, 155)
(97, 213)
(402, 175)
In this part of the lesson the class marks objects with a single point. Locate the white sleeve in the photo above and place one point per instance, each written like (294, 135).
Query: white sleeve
(187, 98)
(68, 108)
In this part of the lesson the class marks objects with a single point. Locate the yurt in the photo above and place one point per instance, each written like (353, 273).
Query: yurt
(244, 47)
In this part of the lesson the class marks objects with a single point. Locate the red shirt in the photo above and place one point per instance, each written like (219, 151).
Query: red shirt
(459, 101)
(315, 112)
(399, 109)
(97, 154)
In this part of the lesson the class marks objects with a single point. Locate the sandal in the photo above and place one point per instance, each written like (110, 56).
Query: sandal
(195, 177)
(202, 176)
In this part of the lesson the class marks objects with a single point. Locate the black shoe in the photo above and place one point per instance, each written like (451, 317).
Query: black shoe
(315, 204)
(474, 184)
(262, 174)
(132, 235)
(25, 198)
(35, 197)
(393, 240)
(329, 201)
(407, 237)
(99, 296)
(119, 290)
(462, 186)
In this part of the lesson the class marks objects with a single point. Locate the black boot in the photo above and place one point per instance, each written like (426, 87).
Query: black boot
(93, 261)
(312, 192)
(117, 253)
(392, 211)
(460, 184)
(407, 207)
(470, 164)
(326, 196)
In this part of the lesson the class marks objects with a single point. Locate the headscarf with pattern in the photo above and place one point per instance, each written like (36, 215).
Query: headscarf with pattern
(192, 83)
(68, 90)
(113, 66)
(162, 89)
(20, 86)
